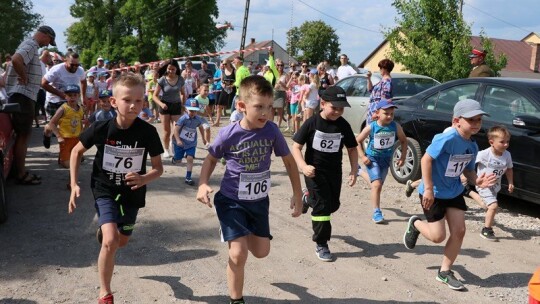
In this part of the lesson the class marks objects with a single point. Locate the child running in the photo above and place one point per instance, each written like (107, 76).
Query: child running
(382, 134)
(494, 160)
(441, 193)
(242, 202)
(119, 176)
(66, 124)
(204, 101)
(185, 136)
(105, 111)
(325, 135)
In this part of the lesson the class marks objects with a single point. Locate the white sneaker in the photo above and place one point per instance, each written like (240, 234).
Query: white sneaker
(166, 154)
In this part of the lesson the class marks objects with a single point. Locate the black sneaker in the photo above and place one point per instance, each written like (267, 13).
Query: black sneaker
(189, 182)
(448, 278)
(409, 189)
(411, 234)
(305, 205)
(99, 235)
(241, 301)
(46, 141)
(488, 234)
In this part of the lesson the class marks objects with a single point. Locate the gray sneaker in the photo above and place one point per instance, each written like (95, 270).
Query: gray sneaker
(488, 234)
(411, 234)
(409, 189)
(323, 253)
(448, 278)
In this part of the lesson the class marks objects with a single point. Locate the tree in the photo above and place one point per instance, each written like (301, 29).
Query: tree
(314, 41)
(16, 22)
(431, 38)
(496, 63)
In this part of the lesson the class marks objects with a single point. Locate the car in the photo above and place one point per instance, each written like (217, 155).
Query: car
(7, 141)
(511, 102)
(355, 86)
(197, 66)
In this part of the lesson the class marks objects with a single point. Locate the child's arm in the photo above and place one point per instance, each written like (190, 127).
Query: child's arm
(510, 177)
(74, 164)
(307, 170)
(208, 167)
(135, 180)
(426, 165)
(353, 159)
(403, 141)
(203, 132)
(482, 181)
(360, 140)
(53, 124)
(292, 171)
(176, 135)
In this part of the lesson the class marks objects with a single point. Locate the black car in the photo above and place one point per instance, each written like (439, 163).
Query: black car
(511, 102)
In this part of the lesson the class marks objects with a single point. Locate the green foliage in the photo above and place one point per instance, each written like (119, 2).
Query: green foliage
(496, 63)
(314, 41)
(16, 22)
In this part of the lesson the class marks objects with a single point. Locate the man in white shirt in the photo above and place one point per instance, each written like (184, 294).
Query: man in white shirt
(100, 67)
(345, 69)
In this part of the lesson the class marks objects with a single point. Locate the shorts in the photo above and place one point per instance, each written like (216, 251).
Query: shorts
(110, 211)
(279, 99)
(173, 108)
(22, 121)
(66, 147)
(488, 195)
(378, 168)
(238, 219)
(212, 101)
(294, 108)
(438, 210)
(51, 107)
(180, 152)
(312, 104)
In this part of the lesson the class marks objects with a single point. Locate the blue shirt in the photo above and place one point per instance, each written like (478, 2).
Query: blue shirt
(382, 139)
(102, 115)
(188, 129)
(451, 154)
(217, 84)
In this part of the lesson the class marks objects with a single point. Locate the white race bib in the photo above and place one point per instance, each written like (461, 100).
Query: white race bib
(122, 160)
(456, 164)
(253, 186)
(326, 142)
(384, 140)
(188, 134)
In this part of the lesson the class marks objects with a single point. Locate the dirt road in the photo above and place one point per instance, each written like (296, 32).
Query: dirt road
(175, 255)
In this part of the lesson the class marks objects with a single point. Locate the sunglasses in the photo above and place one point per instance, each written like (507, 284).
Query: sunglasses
(279, 64)
(74, 65)
(303, 65)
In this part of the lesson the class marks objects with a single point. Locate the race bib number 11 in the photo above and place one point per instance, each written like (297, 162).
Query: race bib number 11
(456, 164)
(122, 160)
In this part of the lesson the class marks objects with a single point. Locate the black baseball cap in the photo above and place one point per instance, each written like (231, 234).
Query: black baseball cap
(336, 96)
(49, 31)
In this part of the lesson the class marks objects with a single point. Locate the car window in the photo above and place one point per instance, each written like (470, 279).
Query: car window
(445, 100)
(503, 104)
(346, 85)
(405, 87)
(359, 88)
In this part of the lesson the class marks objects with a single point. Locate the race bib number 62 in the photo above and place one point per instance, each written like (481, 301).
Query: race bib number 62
(326, 142)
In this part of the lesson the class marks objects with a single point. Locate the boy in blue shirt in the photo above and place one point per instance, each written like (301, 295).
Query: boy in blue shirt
(185, 136)
(105, 111)
(382, 134)
(441, 193)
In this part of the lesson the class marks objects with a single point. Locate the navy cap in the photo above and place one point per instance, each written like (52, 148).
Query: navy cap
(72, 88)
(105, 93)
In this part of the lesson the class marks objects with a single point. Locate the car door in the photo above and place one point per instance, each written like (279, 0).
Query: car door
(358, 97)
(503, 104)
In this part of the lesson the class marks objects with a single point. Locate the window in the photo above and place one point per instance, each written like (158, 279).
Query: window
(359, 88)
(503, 104)
(405, 87)
(445, 100)
(346, 85)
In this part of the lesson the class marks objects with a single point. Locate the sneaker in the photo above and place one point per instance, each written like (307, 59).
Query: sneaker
(305, 205)
(323, 253)
(99, 235)
(411, 234)
(108, 299)
(189, 182)
(173, 160)
(449, 279)
(409, 189)
(237, 301)
(223, 161)
(377, 216)
(46, 141)
(166, 154)
(359, 171)
(488, 234)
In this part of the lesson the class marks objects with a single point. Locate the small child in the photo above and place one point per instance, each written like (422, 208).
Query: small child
(236, 115)
(382, 134)
(295, 85)
(119, 176)
(150, 88)
(185, 136)
(204, 101)
(105, 111)
(311, 96)
(441, 193)
(146, 113)
(66, 124)
(91, 93)
(498, 161)
(242, 202)
(325, 135)
(101, 83)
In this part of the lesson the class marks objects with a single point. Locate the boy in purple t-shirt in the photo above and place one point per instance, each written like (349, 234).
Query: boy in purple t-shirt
(242, 201)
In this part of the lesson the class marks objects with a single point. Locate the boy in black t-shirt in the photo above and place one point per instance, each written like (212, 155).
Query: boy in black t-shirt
(119, 174)
(325, 135)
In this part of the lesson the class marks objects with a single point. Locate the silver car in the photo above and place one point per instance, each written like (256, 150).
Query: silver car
(355, 86)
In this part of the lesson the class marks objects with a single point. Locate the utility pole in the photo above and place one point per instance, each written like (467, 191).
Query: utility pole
(461, 8)
(244, 29)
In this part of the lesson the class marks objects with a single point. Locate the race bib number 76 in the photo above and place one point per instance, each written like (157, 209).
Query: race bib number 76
(122, 160)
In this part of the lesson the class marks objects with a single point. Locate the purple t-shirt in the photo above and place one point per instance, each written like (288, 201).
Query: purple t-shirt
(246, 152)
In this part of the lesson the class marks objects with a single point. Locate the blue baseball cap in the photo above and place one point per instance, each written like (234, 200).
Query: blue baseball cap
(90, 74)
(72, 88)
(105, 93)
(192, 105)
(385, 104)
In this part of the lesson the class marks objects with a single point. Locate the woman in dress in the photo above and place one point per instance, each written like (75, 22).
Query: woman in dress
(382, 90)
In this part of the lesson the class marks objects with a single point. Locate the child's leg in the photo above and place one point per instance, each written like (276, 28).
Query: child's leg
(258, 246)
(435, 231)
(456, 225)
(107, 254)
(490, 214)
(376, 187)
(207, 134)
(476, 197)
(416, 183)
(238, 253)
(189, 160)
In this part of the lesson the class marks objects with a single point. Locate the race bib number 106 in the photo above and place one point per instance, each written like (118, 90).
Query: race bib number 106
(253, 186)
(122, 160)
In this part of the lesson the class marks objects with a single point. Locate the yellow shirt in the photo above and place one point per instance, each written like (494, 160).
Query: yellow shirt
(70, 124)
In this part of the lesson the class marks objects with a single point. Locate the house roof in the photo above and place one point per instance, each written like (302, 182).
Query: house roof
(517, 52)
(250, 46)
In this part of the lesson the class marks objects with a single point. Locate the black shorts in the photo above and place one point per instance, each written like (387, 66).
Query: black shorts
(438, 210)
(173, 108)
(110, 211)
(22, 121)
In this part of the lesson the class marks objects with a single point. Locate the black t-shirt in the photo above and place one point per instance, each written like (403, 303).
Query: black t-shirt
(120, 151)
(324, 140)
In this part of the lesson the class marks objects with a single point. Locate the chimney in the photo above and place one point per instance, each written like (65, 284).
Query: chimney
(252, 40)
(535, 57)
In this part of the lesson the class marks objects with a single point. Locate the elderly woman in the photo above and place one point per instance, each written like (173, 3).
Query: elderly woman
(382, 90)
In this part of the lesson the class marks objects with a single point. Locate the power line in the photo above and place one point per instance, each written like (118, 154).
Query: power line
(494, 17)
(344, 22)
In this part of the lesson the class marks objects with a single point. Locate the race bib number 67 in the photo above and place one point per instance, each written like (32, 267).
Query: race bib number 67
(122, 160)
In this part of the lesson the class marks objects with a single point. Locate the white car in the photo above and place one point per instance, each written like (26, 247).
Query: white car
(355, 86)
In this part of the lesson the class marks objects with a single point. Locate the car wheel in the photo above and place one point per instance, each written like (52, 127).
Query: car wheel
(411, 169)
(3, 199)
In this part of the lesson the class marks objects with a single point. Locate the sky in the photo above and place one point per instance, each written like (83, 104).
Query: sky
(358, 23)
